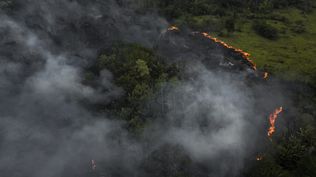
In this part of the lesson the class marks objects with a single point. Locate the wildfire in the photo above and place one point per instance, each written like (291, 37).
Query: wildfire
(259, 158)
(173, 28)
(265, 75)
(245, 55)
(272, 118)
(93, 165)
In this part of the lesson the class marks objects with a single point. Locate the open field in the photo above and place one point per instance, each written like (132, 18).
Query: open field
(292, 56)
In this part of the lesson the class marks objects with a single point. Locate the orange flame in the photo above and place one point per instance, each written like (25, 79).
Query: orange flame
(272, 118)
(265, 75)
(173, 28)
(245, 55)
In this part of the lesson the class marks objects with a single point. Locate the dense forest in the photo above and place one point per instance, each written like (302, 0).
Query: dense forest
(119, 88)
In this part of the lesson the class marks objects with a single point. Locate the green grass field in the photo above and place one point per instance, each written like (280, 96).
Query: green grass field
(292, 56)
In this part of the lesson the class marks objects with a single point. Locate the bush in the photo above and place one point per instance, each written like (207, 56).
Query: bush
(299, 27)
(305, 5)
(230, 24)
(265, 30)
(206, 23)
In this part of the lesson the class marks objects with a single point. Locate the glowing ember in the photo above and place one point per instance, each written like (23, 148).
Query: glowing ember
(265, 75)
(173, 28)
(272, 118)
(259, 157)
(245, 55)
(93, 165)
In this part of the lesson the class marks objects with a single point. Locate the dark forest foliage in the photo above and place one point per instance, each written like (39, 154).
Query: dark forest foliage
(140, 73)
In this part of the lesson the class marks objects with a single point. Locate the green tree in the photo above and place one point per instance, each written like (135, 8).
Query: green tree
(265, 30)
(139, 72)
(142, 68)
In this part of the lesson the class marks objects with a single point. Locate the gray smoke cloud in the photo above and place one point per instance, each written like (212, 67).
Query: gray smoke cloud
(46, 131)
(212, 116)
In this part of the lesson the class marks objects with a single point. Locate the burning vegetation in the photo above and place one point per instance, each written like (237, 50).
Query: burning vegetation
(259, 157)
(265, 75)
(128, 105)
(93, 165)
(272, 119)
(173, 28)
(244, 55)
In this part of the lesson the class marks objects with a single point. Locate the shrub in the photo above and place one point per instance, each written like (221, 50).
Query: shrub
(299, 27)
(205, 23)
(265, 30)
(230, 24)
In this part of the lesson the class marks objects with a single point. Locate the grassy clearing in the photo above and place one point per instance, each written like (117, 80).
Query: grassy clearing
(292, 56)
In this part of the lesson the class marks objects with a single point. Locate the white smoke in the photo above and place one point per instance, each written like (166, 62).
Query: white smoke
(46, 131)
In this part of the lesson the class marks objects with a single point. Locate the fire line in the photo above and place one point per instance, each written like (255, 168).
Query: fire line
(272, 119)
(244, 55)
